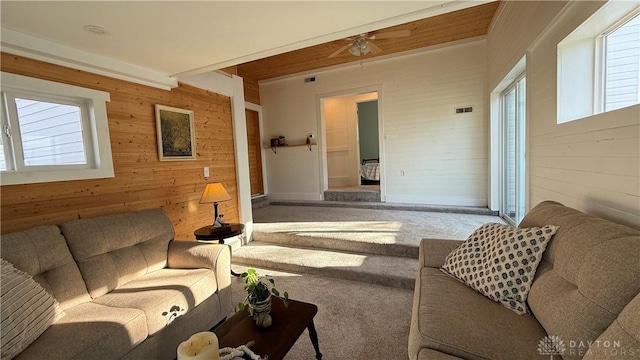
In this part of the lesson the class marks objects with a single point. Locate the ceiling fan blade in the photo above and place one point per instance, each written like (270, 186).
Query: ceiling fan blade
(340, 50)
(391, 34)
(374, 48)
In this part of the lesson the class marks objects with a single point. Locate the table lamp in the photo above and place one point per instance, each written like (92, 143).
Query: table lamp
(214, 193)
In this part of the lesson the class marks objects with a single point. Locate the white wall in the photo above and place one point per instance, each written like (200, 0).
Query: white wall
(341, 129)
(592, 164)
(444, 155)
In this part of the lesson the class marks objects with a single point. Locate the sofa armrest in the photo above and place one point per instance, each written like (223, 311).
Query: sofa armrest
(196, 255)
(434, 251)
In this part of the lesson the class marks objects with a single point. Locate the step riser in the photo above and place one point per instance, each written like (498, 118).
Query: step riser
(260, 203)
(323, 243)
(345, 274)
(351, 196)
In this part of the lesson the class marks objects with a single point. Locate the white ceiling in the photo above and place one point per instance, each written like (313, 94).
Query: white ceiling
(177, 38)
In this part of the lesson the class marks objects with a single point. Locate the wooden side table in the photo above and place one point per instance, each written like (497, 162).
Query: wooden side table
(206, 234)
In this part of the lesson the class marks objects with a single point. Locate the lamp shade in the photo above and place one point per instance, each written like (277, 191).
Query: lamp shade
(214, 193)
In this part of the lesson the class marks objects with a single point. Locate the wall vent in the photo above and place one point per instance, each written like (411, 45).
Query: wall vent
(462, 110)
(310, 79)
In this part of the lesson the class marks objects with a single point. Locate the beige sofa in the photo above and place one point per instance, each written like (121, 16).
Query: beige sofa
(128, 289)
(585, 294)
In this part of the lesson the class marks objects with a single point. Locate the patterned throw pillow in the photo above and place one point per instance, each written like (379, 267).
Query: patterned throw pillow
(27, 310)
(500, 261)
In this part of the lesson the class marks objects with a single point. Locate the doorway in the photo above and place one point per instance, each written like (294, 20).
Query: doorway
(254, 143)
(368, 143)
(352, 147)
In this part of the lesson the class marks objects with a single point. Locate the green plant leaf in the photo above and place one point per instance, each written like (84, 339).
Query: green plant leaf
(258, 289)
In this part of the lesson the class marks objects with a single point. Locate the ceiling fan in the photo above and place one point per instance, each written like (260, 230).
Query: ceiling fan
(362, 44)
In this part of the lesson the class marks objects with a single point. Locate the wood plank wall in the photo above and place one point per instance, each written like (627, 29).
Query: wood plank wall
(255, 153)
(591, 164)
(141, 181)
(251, 91)
(251, 86)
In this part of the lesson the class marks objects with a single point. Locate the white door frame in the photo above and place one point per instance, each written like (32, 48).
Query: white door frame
(322, 141)
(258, 108)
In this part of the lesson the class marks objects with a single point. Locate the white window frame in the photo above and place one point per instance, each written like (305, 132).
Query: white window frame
(95, 130)
(520, 187)
(580, 67)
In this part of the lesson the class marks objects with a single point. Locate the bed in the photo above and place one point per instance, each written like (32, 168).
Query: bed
(370, 172)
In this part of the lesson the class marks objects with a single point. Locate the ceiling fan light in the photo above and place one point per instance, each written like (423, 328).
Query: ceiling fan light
(364, 48)
(354, 49)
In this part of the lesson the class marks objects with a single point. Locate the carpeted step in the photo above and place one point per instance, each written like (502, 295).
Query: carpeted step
(338, 241)
(468, 210)
(260, 202)
(399, 272)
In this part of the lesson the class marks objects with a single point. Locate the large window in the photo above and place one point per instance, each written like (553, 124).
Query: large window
(52, 132)
(599, 63)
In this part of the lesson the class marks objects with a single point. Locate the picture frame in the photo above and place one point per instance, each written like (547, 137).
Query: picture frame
(176, 133)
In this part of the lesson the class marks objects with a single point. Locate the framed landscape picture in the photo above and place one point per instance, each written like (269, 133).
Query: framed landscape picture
(176, 133)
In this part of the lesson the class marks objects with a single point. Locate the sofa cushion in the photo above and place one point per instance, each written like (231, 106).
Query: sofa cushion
(27, 310)
(163, 345)
(594, 273)
(499, 261)
(451, 318)
(115, 249)
(90, 331)
(621, 339)
(42, 252)
(429, 354)
(159, 292)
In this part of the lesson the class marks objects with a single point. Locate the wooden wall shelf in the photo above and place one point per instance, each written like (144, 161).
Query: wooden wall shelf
(274, 148)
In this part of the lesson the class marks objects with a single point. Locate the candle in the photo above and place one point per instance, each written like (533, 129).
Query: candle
(200, 346)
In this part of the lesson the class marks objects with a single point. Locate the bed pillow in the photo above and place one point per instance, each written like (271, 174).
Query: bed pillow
(27, 310)
(500, 261)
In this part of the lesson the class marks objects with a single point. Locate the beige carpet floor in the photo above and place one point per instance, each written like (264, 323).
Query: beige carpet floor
(354, 321)
(367, 225)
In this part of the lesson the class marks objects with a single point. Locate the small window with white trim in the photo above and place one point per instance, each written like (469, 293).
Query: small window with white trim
(599, 63)
(52, 132)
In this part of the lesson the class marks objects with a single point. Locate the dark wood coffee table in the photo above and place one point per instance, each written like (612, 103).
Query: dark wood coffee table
(275, 341)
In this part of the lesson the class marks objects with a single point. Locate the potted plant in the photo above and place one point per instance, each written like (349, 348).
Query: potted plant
(258, 301)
